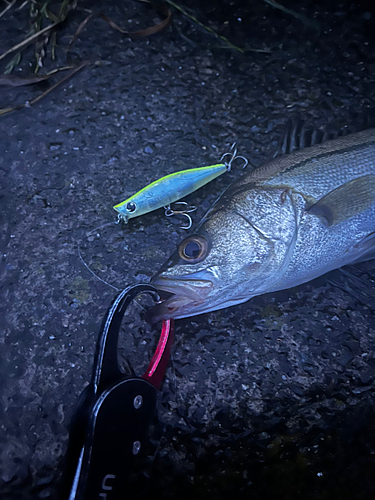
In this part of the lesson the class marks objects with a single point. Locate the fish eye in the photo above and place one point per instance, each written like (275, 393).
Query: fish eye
(131, 206)
(193, 249)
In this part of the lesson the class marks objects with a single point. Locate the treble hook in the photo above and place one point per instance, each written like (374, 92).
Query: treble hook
(169, 212)
(233, 156)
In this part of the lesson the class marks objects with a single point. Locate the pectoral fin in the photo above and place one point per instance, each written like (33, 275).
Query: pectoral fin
(364, 249)
(345, 201)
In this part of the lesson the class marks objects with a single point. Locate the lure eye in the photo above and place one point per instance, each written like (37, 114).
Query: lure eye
(131, 206)
(193, 249)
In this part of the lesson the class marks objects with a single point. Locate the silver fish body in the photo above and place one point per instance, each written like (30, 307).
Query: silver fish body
(283, 224)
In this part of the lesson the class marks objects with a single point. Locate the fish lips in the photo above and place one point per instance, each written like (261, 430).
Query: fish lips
(187, 293)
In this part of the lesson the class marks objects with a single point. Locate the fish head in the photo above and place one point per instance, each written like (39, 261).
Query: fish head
(228, 261)
(241, 249)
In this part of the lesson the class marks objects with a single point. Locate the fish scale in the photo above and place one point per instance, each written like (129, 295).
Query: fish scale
(317, 181)
(293, 219)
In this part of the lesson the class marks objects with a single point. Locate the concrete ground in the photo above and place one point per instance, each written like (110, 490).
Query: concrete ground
(270, 399)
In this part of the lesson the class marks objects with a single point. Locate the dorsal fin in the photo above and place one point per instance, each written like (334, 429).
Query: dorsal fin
(299, 135)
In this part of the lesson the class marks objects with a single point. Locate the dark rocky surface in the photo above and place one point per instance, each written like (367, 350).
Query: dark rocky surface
(270, 399)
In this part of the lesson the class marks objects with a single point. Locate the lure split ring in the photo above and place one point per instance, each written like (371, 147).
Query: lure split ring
(233, 156)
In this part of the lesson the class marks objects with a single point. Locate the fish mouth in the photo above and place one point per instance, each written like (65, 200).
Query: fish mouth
(188, 294)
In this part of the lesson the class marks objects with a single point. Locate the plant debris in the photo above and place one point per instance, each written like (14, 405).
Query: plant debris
(28, 104)
(213, 32)
(40, 12)
(307, 22)
(146, 32)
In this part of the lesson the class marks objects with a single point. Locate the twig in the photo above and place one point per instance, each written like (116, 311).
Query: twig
(64, 11)
(22, 5)
(20, 81)
(213, 33)
(37, 99)
(64, 79)
(305, 20)
(80, 28)
(207, 28)
(9, 6)
(28, 40)
(146, 32)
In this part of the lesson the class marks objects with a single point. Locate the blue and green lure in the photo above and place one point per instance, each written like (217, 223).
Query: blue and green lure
(173, 187)
(167, 190)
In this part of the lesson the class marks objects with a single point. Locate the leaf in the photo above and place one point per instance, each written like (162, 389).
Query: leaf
(27, 41)
(28, 104)
(79, 29)
(213, 32)
(12, 63)
(20, 81)
(306, 21)
(146, 32)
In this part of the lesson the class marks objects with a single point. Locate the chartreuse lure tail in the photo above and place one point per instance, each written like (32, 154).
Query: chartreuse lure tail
(167, 190)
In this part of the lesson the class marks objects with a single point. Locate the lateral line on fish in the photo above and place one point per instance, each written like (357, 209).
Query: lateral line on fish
(328, 155)
(281, 164)
(265, 175)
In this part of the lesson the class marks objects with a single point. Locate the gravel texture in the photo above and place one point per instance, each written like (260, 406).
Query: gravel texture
(270, 399)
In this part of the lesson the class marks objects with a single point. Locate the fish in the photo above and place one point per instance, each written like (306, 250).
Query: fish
(295, 218)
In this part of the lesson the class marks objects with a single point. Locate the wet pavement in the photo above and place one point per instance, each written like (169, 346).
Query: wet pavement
(273, 398)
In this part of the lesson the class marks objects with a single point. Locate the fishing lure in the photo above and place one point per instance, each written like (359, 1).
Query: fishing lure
(167, 190)
(172, 187)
